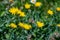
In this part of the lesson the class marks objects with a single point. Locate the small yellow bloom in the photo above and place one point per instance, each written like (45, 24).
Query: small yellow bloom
(13, 10)
(40, 24)
(50, 12)
(22, 14)
(37, 4)
(19, 12)
(58, 8)
(58, 25)
(25, 26)
(13, 25)
(27, 6)
(21, 24)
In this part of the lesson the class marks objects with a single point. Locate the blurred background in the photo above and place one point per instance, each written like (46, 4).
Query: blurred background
(40, 19)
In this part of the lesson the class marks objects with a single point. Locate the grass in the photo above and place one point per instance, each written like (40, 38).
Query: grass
(48, 32)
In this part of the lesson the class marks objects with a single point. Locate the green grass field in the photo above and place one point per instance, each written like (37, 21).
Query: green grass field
(29, 19)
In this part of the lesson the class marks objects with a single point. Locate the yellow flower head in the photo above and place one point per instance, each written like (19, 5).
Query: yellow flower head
(19, 12)
(25, 26)
(58, 25)
(37, 4)
(40, 24)
(50, 12)
(58, 8)
(13, 10)
(22, 14)
(27, 6)
(13, 25)
(21, 24)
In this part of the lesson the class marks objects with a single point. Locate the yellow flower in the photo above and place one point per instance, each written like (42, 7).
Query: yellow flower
(37, 4)
(22, 14)
(27, 6)
(58, 25)
(21, 24)
(58, 8)
(50, 12)
(19, 12)
(25, 26)
(13, 25)
(40, 24)
(13, 10)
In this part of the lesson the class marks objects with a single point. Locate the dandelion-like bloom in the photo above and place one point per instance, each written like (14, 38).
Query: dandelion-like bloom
(40, 24)
(58, 8)
(38, 4)
(13, 25)
(19, 12)
(58, 25)
(50, 12)
(21, 24)
(25, 26)
(13, 10)
(27, 6)
(22, 14)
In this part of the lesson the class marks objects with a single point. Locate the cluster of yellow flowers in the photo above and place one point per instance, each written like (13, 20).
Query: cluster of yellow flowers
(51, 12)
(37, 4)
(14, 11)
(22, 25)
(26, 26)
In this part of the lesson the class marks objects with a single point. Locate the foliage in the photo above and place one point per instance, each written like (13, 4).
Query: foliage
(49, 30)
